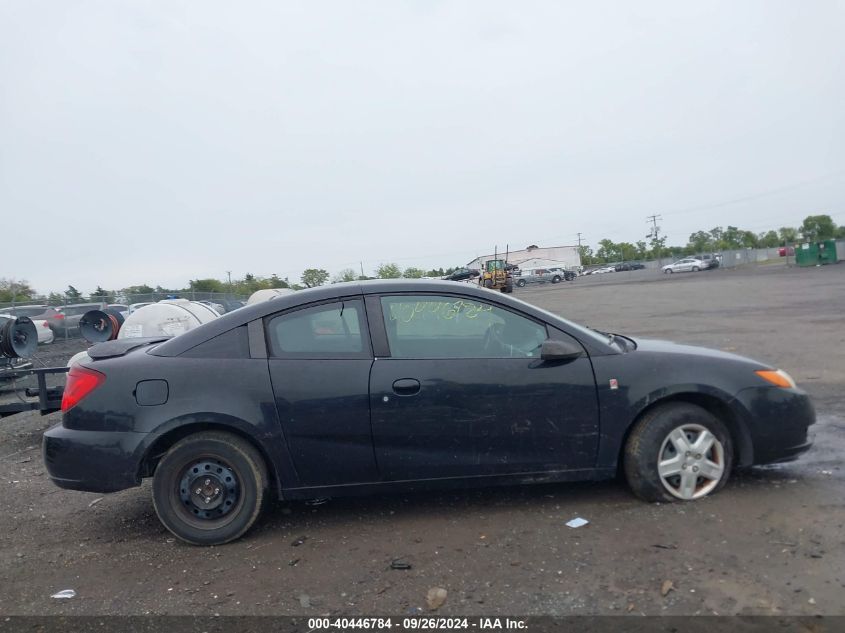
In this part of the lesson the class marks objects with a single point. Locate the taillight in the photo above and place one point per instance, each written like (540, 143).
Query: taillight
(80, 382)
(59, 316)
(45, 324)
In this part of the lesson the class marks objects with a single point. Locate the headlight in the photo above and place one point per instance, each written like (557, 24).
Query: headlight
(777, 377)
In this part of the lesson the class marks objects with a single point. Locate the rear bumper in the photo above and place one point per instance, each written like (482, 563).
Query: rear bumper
(779, 422)
(92, 461)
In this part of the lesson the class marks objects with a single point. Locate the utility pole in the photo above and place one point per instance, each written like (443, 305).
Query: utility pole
(362, 269)
(579, 241)
(655, 234)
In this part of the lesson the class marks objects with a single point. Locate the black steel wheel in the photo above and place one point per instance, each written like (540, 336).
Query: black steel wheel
(556, 279)
(210, 487)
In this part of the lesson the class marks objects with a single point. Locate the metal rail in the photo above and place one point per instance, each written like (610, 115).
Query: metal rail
(49, 399)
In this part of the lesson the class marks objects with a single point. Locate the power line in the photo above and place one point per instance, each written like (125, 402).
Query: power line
(755, 196)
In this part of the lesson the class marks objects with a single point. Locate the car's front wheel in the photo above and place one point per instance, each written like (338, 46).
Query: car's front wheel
(668, 271)
(520, 283)
(210, 487)
(678, 451)
(695, 269)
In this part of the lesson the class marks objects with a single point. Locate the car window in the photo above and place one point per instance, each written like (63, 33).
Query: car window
(323, 331)
(431, 326)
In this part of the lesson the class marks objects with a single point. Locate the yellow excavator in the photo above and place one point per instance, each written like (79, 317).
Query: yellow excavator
(496, 274)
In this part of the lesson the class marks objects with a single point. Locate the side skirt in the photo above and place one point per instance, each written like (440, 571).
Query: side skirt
(483, 481)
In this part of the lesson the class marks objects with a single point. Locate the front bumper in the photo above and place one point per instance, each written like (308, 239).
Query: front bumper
(93, 461)
(778, 422)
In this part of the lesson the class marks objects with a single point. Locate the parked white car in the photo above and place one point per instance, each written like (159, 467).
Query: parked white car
(687, 264)
(45, 334)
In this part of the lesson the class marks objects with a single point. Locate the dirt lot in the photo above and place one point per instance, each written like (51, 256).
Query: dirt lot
(770, 543)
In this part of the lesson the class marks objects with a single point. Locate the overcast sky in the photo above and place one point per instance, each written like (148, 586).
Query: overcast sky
(155, 142)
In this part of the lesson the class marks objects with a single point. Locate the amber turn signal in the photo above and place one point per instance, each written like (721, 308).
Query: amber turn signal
(777, 377)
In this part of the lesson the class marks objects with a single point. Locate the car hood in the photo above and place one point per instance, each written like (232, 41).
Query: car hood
(656, 346)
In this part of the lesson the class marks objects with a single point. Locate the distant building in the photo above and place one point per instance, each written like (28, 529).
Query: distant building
(536, 257)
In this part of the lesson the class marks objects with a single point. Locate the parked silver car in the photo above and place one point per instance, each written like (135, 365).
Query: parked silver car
(687, 264)
(538, 275)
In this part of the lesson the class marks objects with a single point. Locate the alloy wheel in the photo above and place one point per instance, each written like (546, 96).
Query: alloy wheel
(691, 462)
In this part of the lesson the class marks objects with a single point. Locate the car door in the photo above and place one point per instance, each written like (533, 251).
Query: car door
(458, 389)
(319, 359)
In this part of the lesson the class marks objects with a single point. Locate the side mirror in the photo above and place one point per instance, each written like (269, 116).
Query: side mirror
(560, 350)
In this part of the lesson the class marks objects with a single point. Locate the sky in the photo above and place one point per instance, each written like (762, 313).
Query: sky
(161, 141)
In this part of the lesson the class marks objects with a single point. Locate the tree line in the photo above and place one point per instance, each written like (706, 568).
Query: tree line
(814, 228)
(19, 290)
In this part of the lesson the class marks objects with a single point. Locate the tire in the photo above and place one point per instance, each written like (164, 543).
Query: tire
(488, 283)
(556, 279)
(668, 271)
(228, 460)
(653, 441)
(695, 269)
(520, 283)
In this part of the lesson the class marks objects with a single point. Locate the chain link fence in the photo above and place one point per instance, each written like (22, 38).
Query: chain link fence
(728, 259)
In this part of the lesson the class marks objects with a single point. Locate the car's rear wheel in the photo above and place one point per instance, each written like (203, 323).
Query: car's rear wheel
(210, 487)
(520, 283)
(556, 279)
(678, 451)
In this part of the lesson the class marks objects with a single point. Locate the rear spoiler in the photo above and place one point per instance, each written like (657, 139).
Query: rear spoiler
(121, 347)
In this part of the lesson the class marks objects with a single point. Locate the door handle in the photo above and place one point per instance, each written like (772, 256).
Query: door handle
(406, 387)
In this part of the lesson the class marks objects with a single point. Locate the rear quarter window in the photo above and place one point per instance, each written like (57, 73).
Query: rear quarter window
(231, 344)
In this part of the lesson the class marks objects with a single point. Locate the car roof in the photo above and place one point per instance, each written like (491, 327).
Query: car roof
(348, 290)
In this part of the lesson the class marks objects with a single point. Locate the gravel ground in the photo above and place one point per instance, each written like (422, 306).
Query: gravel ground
(770, 543)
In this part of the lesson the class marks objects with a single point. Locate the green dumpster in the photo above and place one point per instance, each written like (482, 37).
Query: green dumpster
(816, 253)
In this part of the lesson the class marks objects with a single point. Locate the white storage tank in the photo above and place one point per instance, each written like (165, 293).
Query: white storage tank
(170, 317)
(260, 296)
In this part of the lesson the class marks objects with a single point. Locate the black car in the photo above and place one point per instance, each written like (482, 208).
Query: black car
(625, 266)
(403, 385)
(462, 274)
